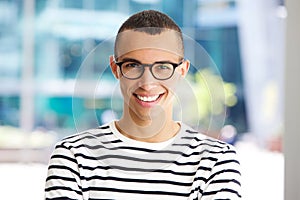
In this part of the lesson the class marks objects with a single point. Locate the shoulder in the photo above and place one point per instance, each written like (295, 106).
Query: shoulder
(203, 142)
(83, 137)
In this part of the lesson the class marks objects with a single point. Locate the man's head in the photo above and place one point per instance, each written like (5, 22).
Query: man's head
(149, 62)
(150, 22)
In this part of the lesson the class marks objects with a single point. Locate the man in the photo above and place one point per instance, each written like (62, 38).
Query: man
(145, 154)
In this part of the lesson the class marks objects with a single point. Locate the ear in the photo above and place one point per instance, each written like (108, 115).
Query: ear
(184, 68)
(114, 67)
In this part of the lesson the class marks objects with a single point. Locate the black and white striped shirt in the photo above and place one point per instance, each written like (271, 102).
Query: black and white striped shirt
(104, 164)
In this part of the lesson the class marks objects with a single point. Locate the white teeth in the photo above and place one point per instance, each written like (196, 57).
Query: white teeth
(147, 99)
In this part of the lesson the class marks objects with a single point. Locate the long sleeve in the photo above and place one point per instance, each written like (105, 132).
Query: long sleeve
(224, 181)
(63, 180)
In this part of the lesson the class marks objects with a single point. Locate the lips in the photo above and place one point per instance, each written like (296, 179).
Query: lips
(148, 100)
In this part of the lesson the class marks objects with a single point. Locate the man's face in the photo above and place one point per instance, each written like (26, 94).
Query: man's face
(147, 97)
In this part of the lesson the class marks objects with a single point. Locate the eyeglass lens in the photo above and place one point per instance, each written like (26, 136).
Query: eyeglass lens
(133, 70)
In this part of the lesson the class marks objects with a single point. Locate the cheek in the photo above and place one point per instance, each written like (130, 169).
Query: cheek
(126, 88)
(172, 83)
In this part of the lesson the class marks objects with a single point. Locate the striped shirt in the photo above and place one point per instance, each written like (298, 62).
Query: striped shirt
(103, 164)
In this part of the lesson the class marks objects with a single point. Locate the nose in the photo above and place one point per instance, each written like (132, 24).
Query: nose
(147, 81)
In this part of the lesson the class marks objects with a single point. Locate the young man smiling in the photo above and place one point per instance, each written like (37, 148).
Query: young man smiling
(148, 70)
(145, 154)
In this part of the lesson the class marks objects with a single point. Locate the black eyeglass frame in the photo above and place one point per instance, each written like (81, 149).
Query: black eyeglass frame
(175, 65)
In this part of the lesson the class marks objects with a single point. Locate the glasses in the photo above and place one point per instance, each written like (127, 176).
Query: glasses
(133, 69)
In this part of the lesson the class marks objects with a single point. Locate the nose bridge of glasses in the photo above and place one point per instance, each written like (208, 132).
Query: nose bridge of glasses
(147, 73)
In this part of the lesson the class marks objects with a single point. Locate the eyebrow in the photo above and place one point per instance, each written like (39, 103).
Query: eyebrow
(137, 61)
(131, 60)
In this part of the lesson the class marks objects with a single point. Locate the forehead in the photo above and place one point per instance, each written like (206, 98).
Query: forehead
(130, 40)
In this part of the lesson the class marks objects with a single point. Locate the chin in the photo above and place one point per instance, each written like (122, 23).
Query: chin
(148, 114)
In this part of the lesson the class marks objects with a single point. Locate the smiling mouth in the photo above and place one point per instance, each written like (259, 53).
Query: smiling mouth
(152, 98)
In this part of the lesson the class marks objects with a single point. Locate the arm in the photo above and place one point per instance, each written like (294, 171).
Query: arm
(224, 180)
(63, 180)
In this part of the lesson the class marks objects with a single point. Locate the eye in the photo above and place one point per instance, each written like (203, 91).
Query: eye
(164, 66)
(131, 65)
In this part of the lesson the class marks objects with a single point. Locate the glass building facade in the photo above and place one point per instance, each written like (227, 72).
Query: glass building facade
(42, 53)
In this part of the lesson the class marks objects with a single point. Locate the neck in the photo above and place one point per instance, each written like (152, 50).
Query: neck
(156, 129)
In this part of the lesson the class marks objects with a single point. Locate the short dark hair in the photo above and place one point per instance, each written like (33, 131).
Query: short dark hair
(151, 22)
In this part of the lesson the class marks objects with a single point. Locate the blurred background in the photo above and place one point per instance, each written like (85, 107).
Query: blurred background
(44, 43)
